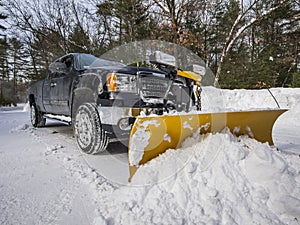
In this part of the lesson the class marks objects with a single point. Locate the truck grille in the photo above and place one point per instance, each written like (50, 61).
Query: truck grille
(153, 87)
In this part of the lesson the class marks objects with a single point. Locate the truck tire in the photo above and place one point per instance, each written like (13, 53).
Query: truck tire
(89, 134)
(36, 117)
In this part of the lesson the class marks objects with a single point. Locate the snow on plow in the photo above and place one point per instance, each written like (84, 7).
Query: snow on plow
(153, 135)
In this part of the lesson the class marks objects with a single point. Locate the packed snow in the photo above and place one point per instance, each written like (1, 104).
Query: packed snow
(211, 179)
(139, 142)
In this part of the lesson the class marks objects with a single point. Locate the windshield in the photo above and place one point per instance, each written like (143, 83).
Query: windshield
(103, 62)
(86, 61)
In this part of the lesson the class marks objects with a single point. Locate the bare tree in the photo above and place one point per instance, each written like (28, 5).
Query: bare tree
(46, 29)
(174, 14)
(52, 20)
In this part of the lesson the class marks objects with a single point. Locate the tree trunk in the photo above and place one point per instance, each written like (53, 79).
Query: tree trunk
(219, 69)
(234, 34)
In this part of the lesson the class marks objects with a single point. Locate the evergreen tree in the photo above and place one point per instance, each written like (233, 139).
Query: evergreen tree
(79, 41)
(3, 55)
(275, 45)
(224, 14)
(46, 47)
(19, 63)
(126, 21)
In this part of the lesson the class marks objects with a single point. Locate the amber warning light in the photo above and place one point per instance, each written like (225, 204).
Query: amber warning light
(112, 82)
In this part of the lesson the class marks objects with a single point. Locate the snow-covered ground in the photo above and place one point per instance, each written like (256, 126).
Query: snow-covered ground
(211, 179)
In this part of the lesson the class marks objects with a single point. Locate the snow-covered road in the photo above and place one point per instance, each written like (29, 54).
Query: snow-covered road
(45, 179)
(41, 176)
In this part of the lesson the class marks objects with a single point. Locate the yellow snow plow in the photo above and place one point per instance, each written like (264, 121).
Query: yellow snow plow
(153, 135)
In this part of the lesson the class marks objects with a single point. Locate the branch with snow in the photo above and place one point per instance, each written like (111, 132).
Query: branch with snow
(234, 35)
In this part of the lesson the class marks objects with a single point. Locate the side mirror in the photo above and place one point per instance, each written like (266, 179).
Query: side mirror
(58, 67)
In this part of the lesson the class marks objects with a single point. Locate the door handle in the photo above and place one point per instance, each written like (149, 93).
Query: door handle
(52, 84)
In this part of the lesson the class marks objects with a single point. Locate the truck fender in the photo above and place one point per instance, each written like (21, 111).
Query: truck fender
(31, 99)
(81, 96)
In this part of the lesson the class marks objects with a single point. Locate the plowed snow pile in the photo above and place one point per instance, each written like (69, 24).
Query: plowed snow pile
(221, 179)
(244, 182)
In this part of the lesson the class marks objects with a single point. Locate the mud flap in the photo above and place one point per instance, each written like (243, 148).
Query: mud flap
(153, 135)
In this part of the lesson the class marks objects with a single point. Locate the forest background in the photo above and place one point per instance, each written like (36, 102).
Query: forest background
(247, 43)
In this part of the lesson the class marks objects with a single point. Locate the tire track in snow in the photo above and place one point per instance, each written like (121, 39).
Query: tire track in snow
(63, 189)
(62, 149)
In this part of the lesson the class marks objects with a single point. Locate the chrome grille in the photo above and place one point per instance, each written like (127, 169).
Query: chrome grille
(153, 87)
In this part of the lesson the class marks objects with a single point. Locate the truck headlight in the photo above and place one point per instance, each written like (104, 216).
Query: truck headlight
(121, 82)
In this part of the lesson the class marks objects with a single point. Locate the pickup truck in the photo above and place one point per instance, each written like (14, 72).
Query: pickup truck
(103, 97)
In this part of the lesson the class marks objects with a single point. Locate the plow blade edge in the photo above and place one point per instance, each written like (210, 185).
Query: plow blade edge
(153, 135)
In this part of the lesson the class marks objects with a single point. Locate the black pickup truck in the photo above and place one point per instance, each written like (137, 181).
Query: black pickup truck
(103, 97)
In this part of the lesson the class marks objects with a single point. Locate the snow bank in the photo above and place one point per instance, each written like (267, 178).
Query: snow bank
(21, 107)
(221, 179)
(214, 99)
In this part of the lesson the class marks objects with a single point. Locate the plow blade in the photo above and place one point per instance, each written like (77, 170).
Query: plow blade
(153, 135)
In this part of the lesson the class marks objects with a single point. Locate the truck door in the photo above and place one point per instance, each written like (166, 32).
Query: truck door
(46, 92)
(47, 88)
(57, 86)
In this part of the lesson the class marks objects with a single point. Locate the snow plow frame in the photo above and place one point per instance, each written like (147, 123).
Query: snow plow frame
(156, 134)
